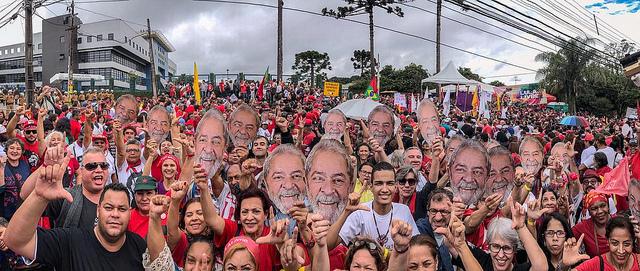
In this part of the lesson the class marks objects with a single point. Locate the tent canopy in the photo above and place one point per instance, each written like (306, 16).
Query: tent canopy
(449, 75)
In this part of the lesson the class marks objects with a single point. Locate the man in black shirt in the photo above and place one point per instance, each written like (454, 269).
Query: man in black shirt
(108, 246)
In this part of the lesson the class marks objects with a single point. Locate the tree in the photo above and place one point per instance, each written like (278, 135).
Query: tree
(358, 7)
(467, 73)
(310, 63)
(407, 79)
(565, 70)
(362, 61)
(497, 83)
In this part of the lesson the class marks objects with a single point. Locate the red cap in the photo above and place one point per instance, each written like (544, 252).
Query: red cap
(190, 122)
(308, 122)
(588, 137)
(29, 125)
(242, 242)
(188, 132)
(99, 136)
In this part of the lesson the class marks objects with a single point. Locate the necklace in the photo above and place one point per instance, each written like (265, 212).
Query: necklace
(382, 239)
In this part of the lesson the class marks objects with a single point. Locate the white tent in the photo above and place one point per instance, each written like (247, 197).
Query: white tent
(449, 75)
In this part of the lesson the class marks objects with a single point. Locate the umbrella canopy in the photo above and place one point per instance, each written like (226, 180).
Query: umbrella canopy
(449, 75)
(359, 109)
(574, 121)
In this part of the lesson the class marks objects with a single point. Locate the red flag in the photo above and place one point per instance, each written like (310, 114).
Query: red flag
(638, 108)
(617, 180)
(261, 86)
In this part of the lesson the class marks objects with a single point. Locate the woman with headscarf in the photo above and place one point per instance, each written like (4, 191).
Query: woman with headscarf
(594, 228)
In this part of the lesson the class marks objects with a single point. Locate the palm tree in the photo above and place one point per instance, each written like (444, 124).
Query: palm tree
(564, 72)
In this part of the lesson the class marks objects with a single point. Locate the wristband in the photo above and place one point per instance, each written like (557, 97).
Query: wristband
(400, 251)
(531, 222)
(527, 187)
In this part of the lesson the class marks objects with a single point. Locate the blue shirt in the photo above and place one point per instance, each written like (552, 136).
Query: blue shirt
(14, 178)
(444, 263)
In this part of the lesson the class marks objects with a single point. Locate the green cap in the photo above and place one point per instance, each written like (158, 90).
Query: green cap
(144, 183)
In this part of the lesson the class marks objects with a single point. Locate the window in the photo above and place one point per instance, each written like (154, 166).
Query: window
(79, 40)
(89, 38)
(39, 46)
(6, 51)
(110, 36)
(99, 37)
(61, 57)
(129, 42)
(0, 52)
(18, 49)
(125, 39)
(61, 39)
(12, 50)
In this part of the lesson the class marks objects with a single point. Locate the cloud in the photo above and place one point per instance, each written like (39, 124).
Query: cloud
(615, 7)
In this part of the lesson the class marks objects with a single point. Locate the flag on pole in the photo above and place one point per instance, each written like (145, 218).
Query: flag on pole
(261, 86)
(616, 181)
(372, 90)
(475, 103)
(196, 84)
(414, 104)
(446, 102)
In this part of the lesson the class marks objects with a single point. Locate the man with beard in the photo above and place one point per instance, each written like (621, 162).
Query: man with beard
(243, 125)
(381, 126)
(376, 222)
(106, 246)
(502, 175)
(30, 138)
(126, 109)
(158, 124)
(428, 121)
(284, 178)
(439, 210)
(334, 124)
(634, 197)
(532, 155)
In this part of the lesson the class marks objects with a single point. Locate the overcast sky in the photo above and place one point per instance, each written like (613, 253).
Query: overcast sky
(242, 38)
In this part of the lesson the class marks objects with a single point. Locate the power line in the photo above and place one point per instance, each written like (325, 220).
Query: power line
(376, 26)
(582, 8)
(108, 16)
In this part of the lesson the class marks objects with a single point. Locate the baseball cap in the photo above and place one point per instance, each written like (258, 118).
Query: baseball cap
(588, 137)
(29, 125)
(144, 183)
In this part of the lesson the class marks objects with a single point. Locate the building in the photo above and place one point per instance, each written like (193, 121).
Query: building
(115, 49)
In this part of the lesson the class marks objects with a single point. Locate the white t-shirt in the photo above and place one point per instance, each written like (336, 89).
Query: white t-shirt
(225, 203)
(586, 153)
(611, 157)
(124, 172)
(360, 223)
(76, 150)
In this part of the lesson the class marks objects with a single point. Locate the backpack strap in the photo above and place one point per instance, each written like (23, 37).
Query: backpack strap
(72, 211)
(601, 262)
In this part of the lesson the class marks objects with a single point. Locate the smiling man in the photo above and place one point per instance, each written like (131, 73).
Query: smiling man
(284, 177)
(243, 125)
(159, 123)
(381, 124)
(468, 168)
(106, 246)
(428, 120)
(502, 173)
(126, 109)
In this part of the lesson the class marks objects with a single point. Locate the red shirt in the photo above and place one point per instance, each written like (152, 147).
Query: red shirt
(635, 165)
(336, 257)
(594, 264)
(139, 224)
(586, 227)
(478, 237)
(269, 256)
(76, 128)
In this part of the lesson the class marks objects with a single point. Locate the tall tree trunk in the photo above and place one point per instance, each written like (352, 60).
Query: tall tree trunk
(438, 26)
(279, 68)
(371, 53)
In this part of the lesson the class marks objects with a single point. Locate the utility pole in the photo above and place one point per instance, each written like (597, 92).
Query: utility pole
(153, 62)
(28, 51)
(438, 31)
(72, 47)
(280, 60)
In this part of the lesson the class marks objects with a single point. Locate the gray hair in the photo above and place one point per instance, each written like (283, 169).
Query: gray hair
(404, 171)
(472, 145)
(501, 227)
(216, 115)
(158, 108)
(404, 155)
(133, 141)
(245, 108)
(454, 138)
(423, 103)
(397, 158)
(381, 109)
(90, 150)
(280, 150)
(127, 97)
(500, 150)
(528, 139)
(50, 135)
(336, 112)
(330, 145)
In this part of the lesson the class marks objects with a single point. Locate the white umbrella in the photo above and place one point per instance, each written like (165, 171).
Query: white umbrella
(359, 109)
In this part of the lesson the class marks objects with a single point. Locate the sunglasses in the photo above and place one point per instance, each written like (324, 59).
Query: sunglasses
(93, 166)
(371, 246)
(30, 132)
(411, 181)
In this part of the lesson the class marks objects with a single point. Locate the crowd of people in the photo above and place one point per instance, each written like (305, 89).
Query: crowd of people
(285, 181)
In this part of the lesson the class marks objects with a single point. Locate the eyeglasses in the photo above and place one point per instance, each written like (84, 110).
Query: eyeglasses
(433, 211)
(495, 248)
(133, 150)
(93, 166)
(30, 132)
(411, 181)
(558, 233)
(371, 246)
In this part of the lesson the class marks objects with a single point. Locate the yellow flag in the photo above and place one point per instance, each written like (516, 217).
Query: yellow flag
(475, 103)
(196, 84)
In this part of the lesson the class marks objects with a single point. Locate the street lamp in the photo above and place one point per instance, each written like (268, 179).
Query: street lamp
(227, 74)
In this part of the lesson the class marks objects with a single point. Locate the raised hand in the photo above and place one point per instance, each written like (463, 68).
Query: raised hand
(179, 190)
(437, 149)
(517, 215)
(571, 252)
(159, 206)
(319, 228)
(150, 144)
(55, 155)
(492, 202)
(354, 203)
(375, 146)
(3, 161)
(42, 113)
(400, 234)
(201, 178)
(299, 212)
(117, 125)
(288, 251)
(458, 207)
(456, 228)
(570, 147)
(283, 124)
(277, 231)
(49, 183)
(365, 129)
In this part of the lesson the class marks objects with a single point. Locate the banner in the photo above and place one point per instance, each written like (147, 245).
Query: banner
(464, 100)
(400, 99)
(331, 89)
(196, 84)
